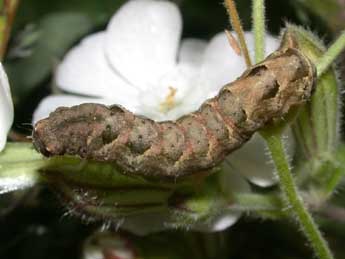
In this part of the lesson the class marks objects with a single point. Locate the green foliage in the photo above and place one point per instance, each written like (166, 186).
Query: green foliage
(52, 37)
(19, 165)
(34, 10)
(330, 11)
(317, 125)
(102, 191)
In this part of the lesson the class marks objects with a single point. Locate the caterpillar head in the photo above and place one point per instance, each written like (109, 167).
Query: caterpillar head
(45, 142)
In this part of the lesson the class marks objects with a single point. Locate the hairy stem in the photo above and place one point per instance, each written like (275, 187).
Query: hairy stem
(236, 25)
(331, 54)
(259, 29)
(293, 199)
(258, 202)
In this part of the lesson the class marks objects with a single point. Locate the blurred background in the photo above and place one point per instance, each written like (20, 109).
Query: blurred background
(32, 223)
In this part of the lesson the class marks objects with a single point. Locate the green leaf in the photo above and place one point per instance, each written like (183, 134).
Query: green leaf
(19, 167)
(317, 126)
(97, 190)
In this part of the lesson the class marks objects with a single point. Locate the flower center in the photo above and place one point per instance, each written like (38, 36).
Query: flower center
(169, 103)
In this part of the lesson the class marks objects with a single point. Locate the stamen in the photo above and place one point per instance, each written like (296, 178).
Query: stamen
(169, 102)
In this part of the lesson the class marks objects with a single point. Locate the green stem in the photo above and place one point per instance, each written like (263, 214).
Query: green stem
(257, 202)
(331, 54)
(293, 199)
(259, 29)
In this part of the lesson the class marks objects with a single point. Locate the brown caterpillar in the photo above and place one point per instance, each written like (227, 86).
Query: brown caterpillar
(195, 142)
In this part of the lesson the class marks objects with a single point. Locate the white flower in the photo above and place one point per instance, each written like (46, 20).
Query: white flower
(139, 62)
(139, 58)
(6, 108)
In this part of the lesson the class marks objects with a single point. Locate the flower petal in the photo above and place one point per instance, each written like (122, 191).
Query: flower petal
(6, 107)
(219, 222)
(222, 65)
(252, 162)
(50, 103)
(192, 51)
(142, 40)
(179, 79)
(108, 245)
(85, 71)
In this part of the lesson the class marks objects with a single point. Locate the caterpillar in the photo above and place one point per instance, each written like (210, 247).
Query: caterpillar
(193, 143)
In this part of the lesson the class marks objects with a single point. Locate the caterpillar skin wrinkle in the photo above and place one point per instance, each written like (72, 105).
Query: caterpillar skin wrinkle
(195, 142)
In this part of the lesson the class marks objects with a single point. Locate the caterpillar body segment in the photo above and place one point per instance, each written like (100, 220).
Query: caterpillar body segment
(195, 142)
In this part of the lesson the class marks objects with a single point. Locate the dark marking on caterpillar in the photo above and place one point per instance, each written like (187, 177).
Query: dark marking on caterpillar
(193, 143)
